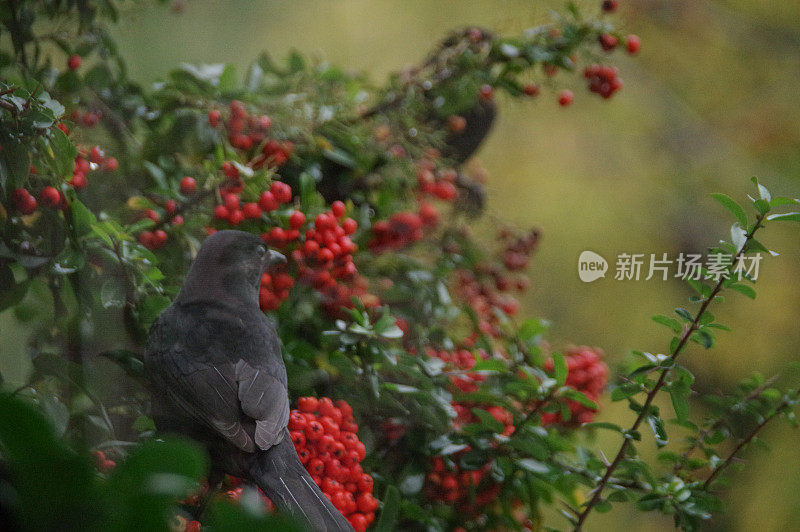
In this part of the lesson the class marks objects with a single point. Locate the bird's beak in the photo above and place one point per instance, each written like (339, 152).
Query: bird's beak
(273, 258)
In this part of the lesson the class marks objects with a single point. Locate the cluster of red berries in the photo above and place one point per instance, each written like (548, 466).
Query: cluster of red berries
(609, 42)
(235, 211)
(324, 259)
(85, 163)
(247, 131)
(487, 286)
(461, 360)
(588, 374)
(24, 201)
(465, 416)
(87, 119)
(450, 484)
(157, 238)
(603, 80)
(518, 249)
(51, 197)
(400, 230)
(439, 183)
(324, 435)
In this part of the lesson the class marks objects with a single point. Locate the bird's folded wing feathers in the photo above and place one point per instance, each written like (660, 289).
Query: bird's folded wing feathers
(206, 392)
(265, 399)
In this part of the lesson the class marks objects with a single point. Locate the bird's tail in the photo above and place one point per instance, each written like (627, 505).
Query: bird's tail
(282, 477)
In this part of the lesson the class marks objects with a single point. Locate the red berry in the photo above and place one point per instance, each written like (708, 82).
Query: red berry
(565, 98)
(110, 164)
(231, 201)
(349, 226)
(74, 62)
(609, 6)
(235, 217)
(531, 89)
(281, 191)
(297, 219)
(338, 209)
(456, 124)
(50, 197)
(267, 201)
(221, 212)
(213, 117)
(633, 43)
(159, 238)
(230, 171)
(152, 214)
(188, 185)
(444, 190)
(171, 206)
(251, 211)
(608, 42)
(96, 155)
(146, 239)
(177, 220)
(193, 526)
(367, 503)
(365, 484)
(237, 109)
(24, 201)
(486, 92)
(359, 522)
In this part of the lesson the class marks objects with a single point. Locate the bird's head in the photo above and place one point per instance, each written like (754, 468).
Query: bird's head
(228, 265)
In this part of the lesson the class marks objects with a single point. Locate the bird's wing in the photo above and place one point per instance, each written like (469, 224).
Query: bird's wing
(264, 398)
(205, 391)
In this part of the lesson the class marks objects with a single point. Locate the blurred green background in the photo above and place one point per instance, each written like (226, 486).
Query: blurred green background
(710, 101)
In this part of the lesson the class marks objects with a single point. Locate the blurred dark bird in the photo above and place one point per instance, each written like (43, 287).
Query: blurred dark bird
(215, 366)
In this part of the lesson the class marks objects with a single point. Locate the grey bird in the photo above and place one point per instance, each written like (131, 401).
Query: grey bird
(217, 375)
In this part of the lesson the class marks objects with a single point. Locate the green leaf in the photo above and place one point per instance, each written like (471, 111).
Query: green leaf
(391, 507)
(785, 217)
(559, 369)
(625, 390)
(657, 426)
(534, 466)
(490, 364)
(112, 294)
(671, 323)
(227, 80)
(779, 201)
(488, 420)
(732, 206)
(603, 425)
(680, 401)
(747, 290)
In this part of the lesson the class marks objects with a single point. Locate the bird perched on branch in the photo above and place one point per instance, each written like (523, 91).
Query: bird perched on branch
(214, 362)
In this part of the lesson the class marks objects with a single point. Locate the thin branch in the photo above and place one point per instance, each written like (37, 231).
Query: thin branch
(781, 408)
(644, 412)
(721, 420)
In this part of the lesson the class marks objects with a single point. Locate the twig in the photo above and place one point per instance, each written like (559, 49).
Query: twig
(645, 411)
(718, 423)
(781, 408)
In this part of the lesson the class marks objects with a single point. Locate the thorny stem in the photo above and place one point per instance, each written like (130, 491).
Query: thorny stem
(721, 420)
(781, 408)
(645, 410)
